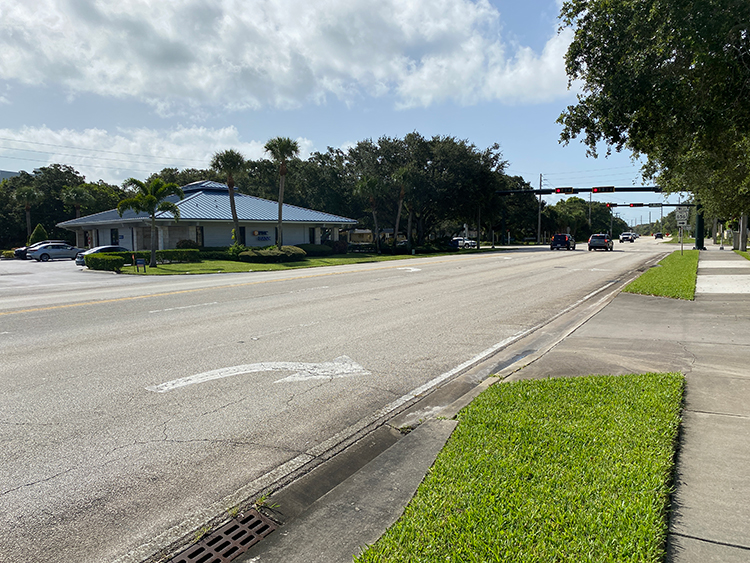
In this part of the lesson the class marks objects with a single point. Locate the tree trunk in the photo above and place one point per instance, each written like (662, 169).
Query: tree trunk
(280, 236)
(233, 208)
(398, 217)
(408, 229)
(377, 231)
(154, 242)
(28, 222)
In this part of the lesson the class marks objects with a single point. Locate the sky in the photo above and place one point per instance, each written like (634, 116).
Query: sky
(120, 89)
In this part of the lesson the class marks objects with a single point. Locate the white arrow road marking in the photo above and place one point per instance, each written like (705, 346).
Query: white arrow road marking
(410, 269)
(342, 366)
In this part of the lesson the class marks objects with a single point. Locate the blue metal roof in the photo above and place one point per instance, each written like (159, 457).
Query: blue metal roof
(209, 201)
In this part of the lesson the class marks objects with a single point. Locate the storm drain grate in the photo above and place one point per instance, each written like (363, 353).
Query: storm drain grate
(229, 541)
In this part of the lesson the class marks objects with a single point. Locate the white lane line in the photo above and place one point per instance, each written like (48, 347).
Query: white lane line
(185, 307)
(410, 269)
(342, 366)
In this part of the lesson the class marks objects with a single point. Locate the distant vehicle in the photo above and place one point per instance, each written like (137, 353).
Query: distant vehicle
(562, 241)
(628, 237)
(22, 251)
(52, 251)
(462, 242)
(658, 235)
(602, 241)
(81, 256)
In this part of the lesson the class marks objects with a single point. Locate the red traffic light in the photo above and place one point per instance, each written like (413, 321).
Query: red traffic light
(611, 205)
(563, 190)
(601, 189)
(636, 205)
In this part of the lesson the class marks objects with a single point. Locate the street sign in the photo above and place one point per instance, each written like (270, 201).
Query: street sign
(654, 204)
(681, 214)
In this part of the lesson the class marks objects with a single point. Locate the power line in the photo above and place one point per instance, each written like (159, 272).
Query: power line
(82, 149)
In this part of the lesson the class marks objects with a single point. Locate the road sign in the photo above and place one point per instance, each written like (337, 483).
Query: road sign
(681, 214)
(654, 204)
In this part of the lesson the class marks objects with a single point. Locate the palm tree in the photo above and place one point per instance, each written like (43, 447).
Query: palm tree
(369, 188)
(27, 196)
(230, 163)
(281, 149)
(151, 198)
(77, 196)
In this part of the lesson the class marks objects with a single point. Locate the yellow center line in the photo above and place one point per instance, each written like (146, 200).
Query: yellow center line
(244, 284)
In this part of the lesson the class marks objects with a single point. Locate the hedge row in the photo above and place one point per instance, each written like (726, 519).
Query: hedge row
(273, 254)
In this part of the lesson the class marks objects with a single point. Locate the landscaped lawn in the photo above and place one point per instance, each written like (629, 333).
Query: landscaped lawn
(675, 276)
(564, 470)
(228, 266)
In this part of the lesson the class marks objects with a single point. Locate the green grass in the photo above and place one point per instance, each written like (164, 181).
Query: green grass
(564, 470)
(686, 241)
(674, 277)
(745, 255)
(228, 266)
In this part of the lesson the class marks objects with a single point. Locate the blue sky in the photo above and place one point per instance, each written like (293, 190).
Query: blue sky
(120, 89)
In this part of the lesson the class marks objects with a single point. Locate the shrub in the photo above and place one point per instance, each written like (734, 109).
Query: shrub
(39, 234)
(235, 250)
(216, 255)
(103, 261)
(8, 254)
(316, 249)
(186, 243)
(273, 254)
(338, 246)
(178, 255)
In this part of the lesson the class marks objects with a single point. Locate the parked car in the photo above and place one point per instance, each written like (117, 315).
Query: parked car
(22, 252)
(658, 235)
(81, 256)
(601, 240)
(562, 241)
(628, 237)
(53, 251)
(462, 242)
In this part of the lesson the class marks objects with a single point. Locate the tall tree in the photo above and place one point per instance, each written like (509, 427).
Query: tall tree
(668, 79)
(281, 150)
(230, 163)
(27, 196)
(151, 198)
(370, 189)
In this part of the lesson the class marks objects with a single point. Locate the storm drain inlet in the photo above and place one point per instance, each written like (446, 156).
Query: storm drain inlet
(229, 541)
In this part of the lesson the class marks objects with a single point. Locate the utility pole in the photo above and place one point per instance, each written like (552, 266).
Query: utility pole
(539, 219)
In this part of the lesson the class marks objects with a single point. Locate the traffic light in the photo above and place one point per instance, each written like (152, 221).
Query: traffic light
(602, 189)
(636, 205)
(564, 190)
(611, 205)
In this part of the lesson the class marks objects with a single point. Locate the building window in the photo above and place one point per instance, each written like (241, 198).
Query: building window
(114, 237)
(242, 236)
(199, 235)
(312, 235)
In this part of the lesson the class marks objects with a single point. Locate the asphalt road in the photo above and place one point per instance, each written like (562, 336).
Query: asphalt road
(130, 406)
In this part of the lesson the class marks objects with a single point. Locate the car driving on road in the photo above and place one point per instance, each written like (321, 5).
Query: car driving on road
(601, 241)
(627, 237)
(562, 241)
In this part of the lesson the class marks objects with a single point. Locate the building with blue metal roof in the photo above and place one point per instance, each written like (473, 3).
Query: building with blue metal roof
(206, 217)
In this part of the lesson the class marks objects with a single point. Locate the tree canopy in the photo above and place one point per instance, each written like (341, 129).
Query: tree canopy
(668, 80)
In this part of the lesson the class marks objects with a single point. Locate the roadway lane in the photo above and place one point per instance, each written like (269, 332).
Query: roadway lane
(95, 462)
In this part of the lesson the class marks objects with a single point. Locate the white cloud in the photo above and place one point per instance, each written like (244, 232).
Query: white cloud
(253, 53)
(116, 156)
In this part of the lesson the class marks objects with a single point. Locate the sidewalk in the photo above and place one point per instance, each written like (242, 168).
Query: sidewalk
(705, 339)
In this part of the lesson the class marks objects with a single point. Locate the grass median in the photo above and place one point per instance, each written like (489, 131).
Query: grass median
(675, 277)
(576, 469)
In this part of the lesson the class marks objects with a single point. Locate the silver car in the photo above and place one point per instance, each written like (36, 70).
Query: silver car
(52, 251)
(81, 257)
